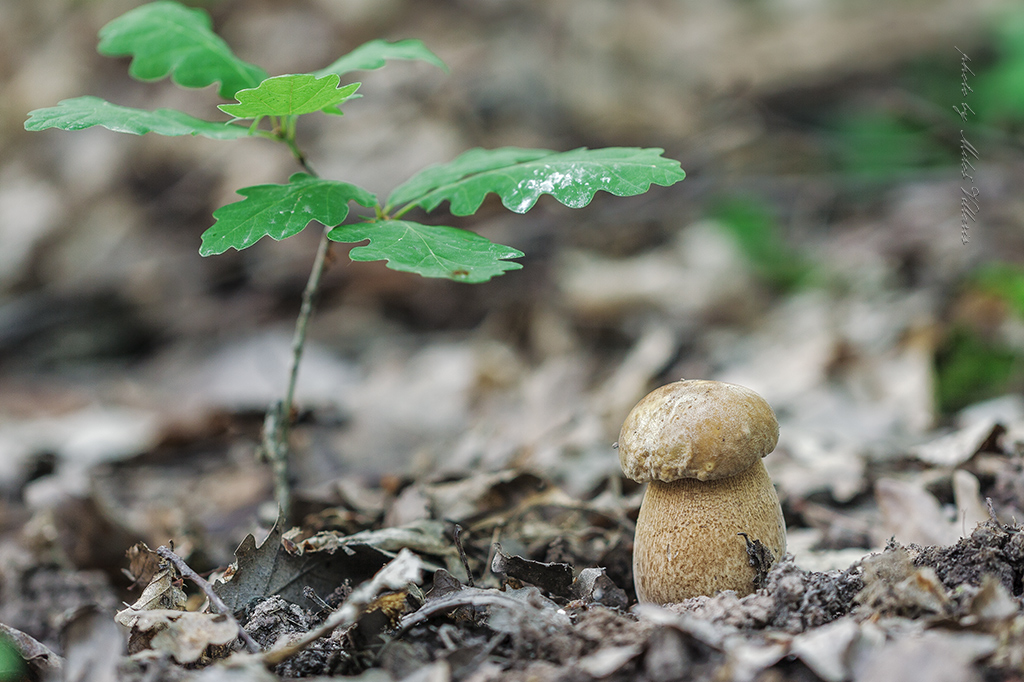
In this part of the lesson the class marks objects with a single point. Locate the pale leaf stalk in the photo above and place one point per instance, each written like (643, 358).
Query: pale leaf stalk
(277, 426)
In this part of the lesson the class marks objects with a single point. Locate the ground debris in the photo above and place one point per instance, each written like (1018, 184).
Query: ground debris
(992, 549)
(276, 621)
(543, 607)
(547, 610)
(794, 600)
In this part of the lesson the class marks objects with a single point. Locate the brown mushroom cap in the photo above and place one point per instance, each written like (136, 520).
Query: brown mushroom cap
(700, 429)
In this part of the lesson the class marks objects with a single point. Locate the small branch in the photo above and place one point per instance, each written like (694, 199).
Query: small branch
(216, 602)
(473, 597)
(991, 512)
(462, 554)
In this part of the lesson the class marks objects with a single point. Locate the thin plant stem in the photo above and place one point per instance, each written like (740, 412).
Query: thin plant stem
(282, 413)
(278, 422)
(299, 156)
(402, 211)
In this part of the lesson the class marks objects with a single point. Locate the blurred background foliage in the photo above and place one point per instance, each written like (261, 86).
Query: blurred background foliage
(982, 355)
(999, 86)
(11, 666)
(756, 230)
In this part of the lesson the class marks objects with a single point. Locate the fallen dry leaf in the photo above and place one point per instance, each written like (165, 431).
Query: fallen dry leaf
(185, 635)
(163, 592)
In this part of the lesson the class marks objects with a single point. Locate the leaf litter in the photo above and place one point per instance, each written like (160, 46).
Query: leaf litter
(396, 603)
(511, 574)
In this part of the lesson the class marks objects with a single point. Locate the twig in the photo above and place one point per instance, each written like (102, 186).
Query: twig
(310, 594)
(495, 536)
(991, 511)
(462, 554)
(216, 602)
(475, 597)
(299, 156)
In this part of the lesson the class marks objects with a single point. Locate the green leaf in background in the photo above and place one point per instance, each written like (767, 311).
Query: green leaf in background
(166, 38)
(998, 96)
(280, 211)
(85, 112)
(12, 667)
(977, 359)
(970, 368)
(291, 95)
(429, 250)
(876, 145)
(1005, 281)
(756, 232)
(520, 176)
(374, 54)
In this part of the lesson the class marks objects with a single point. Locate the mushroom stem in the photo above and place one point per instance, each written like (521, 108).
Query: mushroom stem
(686, 535)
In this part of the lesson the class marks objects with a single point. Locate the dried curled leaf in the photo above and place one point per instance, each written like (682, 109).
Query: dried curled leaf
(185, 635)
(162, 593)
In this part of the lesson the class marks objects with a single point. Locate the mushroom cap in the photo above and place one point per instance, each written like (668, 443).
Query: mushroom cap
(700, 429)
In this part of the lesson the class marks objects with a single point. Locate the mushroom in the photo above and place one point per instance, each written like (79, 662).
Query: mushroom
(699, 446)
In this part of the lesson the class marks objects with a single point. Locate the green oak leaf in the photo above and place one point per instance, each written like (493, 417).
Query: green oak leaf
(84, 112)
(280, 211)
(374, 54)
(291, 95)
(166, 38)
(470, 163)
(520, 176)
(428, 250)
